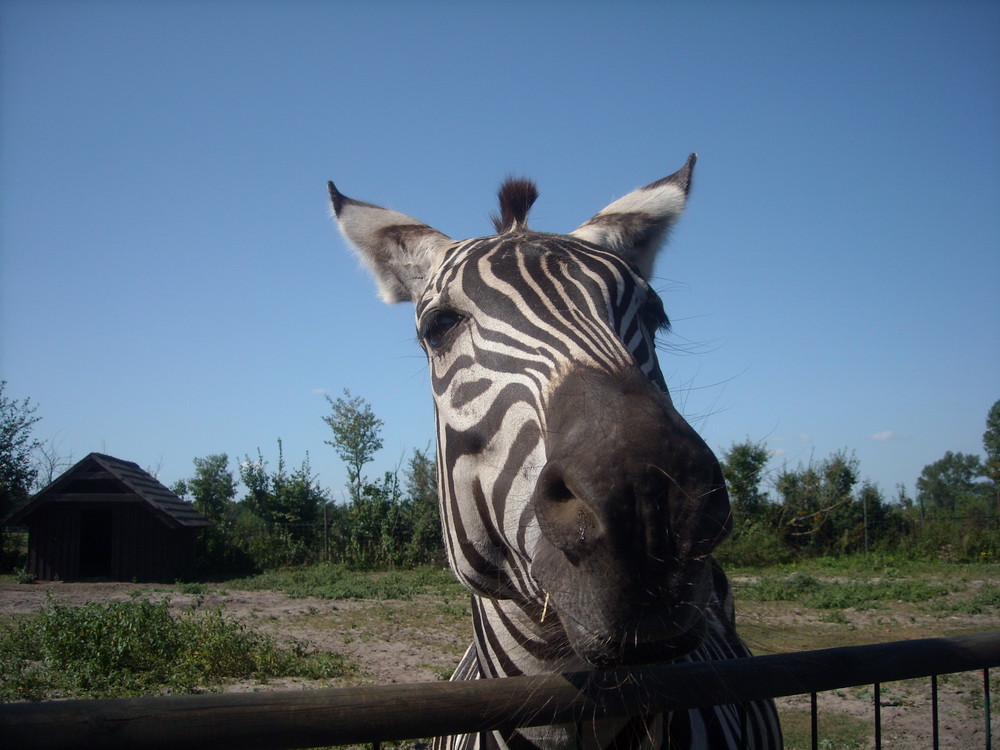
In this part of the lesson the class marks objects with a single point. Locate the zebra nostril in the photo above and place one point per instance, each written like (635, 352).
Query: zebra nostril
(558, 492)
(564, 518)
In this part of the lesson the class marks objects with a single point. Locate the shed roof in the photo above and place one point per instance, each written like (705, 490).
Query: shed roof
(108, 476)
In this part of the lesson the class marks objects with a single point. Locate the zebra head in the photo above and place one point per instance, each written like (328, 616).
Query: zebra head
(574, 496)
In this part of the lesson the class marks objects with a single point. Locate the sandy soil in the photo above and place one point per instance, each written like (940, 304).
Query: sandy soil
(422, 639)
(390, 640)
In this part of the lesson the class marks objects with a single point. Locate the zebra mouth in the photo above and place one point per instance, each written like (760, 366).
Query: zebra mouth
(652, 639)
(605, 626)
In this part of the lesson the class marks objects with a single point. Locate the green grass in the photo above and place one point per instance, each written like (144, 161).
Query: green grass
(337, 582)
(983, 601)
(859, 594)
(851, 601)
(836, 731)
(881, 566)
(137, 647)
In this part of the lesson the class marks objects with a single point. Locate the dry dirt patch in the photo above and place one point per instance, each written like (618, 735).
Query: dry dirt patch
(422, 639)
(390, 640)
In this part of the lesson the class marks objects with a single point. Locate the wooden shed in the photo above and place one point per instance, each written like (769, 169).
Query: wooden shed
(108, 519)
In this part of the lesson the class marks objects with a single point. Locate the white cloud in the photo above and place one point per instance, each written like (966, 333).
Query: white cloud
(889, 436)
(778, 452)
(805, 438)
(319, 391)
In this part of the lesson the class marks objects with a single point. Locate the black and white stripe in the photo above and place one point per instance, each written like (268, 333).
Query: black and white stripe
(577, 506)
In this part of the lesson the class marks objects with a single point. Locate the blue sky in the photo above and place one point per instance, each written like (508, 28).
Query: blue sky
(171, 284)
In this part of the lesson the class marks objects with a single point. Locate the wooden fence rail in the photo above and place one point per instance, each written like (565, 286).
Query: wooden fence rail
(335, 716)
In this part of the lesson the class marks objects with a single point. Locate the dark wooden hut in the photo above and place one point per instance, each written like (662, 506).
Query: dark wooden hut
(108, 519)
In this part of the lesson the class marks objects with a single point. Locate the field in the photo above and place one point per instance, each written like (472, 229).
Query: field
(413, 626)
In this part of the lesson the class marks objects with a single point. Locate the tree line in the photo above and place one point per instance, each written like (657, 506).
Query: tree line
(286, 518)
(265, 514)
(270, 514)
(824, 508)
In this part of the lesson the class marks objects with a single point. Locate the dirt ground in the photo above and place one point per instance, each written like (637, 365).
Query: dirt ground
(423, 638)
(390, 640)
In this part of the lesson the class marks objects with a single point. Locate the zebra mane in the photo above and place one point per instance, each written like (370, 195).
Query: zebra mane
(516, 197)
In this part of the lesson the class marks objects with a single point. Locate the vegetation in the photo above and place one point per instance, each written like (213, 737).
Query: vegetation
(325, 581)
(821, 509)
(17, 469)
(858, 594)
(356, 436)
(824, 508)
(137, 647)
(268, 515)
(141, 646)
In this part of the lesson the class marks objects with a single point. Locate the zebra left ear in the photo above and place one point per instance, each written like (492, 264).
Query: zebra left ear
(635, 226)
(400, 251)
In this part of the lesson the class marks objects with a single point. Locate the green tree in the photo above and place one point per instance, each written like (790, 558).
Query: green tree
(212, 487)
(743, 466)
(281, 497)
(426, 544)
(951, 486)
(356, 436)
(817, 503)
(991, 444)
(17, 469)
(279, 517)
(874, 520)
(378, 529)
(213, 490)
(300, 498)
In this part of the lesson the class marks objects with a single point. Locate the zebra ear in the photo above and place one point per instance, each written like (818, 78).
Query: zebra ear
(635, 226)
(400, 251)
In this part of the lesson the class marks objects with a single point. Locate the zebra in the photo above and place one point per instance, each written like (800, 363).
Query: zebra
(578, 507)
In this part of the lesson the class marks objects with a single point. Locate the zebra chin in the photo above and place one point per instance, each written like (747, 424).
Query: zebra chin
(638, 644)
(615, 618)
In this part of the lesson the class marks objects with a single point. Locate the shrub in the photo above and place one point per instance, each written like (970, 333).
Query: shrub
(127, 648)
(986, 600)
(812, 592)
(21, 575)
(338, 582)
(951, 541)
(754, 544)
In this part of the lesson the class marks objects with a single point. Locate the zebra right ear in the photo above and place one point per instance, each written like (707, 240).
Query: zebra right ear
(400, 251)
(634, 227)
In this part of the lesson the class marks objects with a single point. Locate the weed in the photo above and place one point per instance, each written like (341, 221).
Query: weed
(21, 575)
(194, 588)
(836, 617)
(337, 582)
(454, 609)
(443, 673)
(985, 600)
(818, 594)
(837, 731)
(136, 647)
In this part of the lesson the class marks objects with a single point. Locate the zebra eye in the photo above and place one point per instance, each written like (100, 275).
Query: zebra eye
(436, 325)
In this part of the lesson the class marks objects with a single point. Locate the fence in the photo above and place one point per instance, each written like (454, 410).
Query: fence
(310, 718)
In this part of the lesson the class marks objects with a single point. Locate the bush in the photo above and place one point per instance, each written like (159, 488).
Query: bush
(755, 544)
(951, 541)
(813, 592)
(129, 648)
(983, 601)
(338, 582)
(22, 575)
